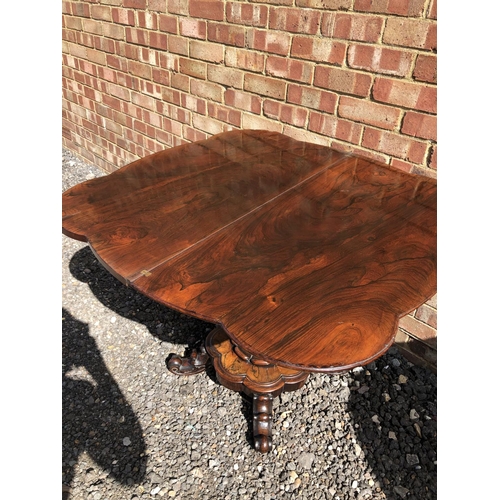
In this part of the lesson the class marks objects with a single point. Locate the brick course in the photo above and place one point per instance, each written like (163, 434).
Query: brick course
(356, 75)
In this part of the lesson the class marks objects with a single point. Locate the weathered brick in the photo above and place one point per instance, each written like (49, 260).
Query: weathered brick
(419, 329)
(151, 88)
(143, 101)
(269, 41)
(158, 40)
(426, 68)
(371, 113)
(157, 5)
(81, 9)
(432, 12)
(244, 59)
(350, 26)
(181, 82)
(104, 44)
(318, 49)
(222, 113)
(378, 59)
(147, 20)
(294, 115)
(294, 20)
(264, 85)
(123, 16)
(178, 45)
(207, 124)
(334, 127)
(91, 26)
(197, 69)
(312, 98)
(342, 80)
(226, 34)
(111, 30)
(304, 135)
(116, 62)
(206, 51)
(194, 104)
(229, 77)
(135, 4)
(207, 9)
(168, 23)
(427, 315)
(137, 36)
(192, 135)
(208, 90)
(394, 145)
(169, 61)
(74, 23)
(247, 14)
(290, 69)
(415, 33)
(420, 125)
(406, 94)
(258, 123)
(243, 101)
(408, 8)
(325, 4)
(193, 28)
(401, 165)
(101, 12)
(86, 39)
(172, 126)
(140, 69)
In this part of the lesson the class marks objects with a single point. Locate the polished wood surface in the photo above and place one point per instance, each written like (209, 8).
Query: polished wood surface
(305, 256)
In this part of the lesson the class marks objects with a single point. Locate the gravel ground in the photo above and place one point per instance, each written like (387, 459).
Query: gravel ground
(131, 429)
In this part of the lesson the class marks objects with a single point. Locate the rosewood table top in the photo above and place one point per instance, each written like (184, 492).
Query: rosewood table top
(305, 258)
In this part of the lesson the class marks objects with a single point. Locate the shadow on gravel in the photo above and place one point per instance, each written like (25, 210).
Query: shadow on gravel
(95, 415)
(394, 406)
(395, 421)
(162, 322)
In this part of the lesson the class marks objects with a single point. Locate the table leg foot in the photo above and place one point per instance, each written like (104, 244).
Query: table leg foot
(189, 365)
(262, 422)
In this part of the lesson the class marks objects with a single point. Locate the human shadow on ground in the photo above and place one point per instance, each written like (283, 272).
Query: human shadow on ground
(393, 404)
(96, 417)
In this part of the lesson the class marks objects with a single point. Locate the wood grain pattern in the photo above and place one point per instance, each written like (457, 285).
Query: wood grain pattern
(305, 256)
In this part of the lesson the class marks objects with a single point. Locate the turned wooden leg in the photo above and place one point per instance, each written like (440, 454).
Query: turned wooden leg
(189, 365)
(262, 422)
(241, 371)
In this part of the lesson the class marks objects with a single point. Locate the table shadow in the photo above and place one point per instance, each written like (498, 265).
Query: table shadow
(162, 322)
(386, 457)
(399, 445)
(96, 417)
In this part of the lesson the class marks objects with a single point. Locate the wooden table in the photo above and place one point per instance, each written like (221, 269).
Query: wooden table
(303, 257)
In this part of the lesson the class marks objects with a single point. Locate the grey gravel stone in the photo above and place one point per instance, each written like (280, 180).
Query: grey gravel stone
(185, 435)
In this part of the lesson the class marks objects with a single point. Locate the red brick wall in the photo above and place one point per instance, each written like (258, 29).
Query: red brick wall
(358, 75)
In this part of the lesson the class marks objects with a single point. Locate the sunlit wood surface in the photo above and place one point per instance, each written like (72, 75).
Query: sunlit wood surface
(305, 256)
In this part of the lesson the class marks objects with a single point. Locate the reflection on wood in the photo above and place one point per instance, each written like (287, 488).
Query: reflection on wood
(305, 256)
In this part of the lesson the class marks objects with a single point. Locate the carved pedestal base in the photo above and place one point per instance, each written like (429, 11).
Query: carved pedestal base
(240, 371)
(190, 365)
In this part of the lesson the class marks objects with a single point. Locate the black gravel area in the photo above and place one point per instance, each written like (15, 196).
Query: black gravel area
(133, 430)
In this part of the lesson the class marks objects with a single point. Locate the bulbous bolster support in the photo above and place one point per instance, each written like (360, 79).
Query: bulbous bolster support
(262, 422)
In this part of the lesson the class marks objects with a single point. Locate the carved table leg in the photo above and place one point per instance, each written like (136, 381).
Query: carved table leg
(240, 371)
(262, 422)
(190, 365)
